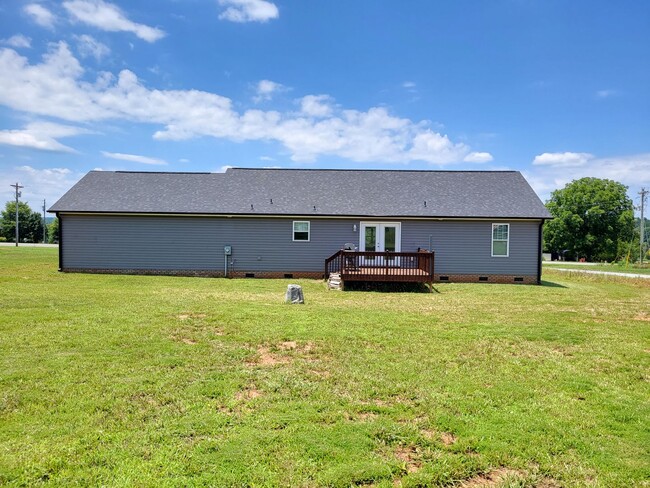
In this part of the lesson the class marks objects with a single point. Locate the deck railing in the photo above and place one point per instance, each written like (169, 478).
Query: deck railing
(382, 266)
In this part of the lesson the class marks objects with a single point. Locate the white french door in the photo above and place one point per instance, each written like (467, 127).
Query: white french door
(380, 237)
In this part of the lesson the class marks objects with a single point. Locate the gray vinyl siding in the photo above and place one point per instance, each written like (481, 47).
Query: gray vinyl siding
(465, 247)
(196, 243)
(266, 244)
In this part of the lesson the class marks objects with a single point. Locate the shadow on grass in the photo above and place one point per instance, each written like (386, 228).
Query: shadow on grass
(551, 284)
(388, 287)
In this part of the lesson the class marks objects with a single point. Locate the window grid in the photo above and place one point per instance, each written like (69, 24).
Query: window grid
(500, 240)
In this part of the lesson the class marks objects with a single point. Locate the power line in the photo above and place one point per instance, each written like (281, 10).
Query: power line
(44, 222)
(643, 194)
(18, 194)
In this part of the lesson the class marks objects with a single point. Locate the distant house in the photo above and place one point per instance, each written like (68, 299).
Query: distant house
(482, 225)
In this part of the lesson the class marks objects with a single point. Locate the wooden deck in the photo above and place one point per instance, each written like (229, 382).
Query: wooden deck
(397, 267)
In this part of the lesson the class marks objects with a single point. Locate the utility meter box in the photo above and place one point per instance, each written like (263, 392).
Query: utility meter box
(227, 250)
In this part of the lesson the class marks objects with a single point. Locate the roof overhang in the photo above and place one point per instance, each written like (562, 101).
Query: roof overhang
(301, 216)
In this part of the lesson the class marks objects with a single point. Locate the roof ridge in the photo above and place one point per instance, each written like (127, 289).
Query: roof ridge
(161, 172)
(383, 170)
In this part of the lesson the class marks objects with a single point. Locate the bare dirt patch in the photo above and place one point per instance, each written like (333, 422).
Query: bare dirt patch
(282, 353)
(448, 438)
(190, 315)
(183, 339)
(491, 479)
(429, 434)
(547, 483)
(367, 416)
(305, 348)
(408, 455)
(267, 358)
(643, 317)
(248, 394)
(320, 373)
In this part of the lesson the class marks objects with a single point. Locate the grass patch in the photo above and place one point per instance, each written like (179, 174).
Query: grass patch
(149, 381)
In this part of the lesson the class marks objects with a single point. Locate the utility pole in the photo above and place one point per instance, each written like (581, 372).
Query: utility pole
(17, 187)
(44, 222)
(643, 193)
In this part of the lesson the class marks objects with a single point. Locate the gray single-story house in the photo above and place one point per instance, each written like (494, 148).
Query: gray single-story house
(482, 225)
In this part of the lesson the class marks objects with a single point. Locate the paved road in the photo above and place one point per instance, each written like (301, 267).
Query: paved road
(606, 273)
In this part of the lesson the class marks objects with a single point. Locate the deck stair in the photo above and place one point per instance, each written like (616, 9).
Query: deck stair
(334, 281)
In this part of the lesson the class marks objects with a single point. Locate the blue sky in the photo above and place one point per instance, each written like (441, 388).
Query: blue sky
(558, 90)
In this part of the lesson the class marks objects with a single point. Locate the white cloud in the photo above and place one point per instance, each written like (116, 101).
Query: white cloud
(606, 93)
(478, 157)
(562, 159)
(27, 139)
(266, 158)
(41, 136)
(134, 158)
(109, 17)
(18, 41)
(265, 89)
(89, 46)
(40, 15)
(56, 87)
(316, 105)
(223, 169)
(631, 170)
(183, 160)
(248, 10)
(411, 87)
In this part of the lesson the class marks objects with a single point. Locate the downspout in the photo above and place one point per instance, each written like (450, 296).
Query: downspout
(539, 253)
(58, 216)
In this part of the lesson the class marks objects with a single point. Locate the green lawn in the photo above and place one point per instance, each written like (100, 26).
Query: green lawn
(615, 268)
(163, 381)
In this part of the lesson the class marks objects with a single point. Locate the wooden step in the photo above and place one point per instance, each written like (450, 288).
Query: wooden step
(334, 281)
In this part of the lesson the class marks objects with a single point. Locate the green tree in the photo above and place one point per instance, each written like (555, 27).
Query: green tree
(30, 224)
(591, 217)
(53, 231)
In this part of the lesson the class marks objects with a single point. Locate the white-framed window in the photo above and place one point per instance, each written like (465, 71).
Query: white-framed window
(301, 230)
(500, 240)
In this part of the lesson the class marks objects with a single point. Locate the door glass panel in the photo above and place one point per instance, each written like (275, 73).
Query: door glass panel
(389, 239)
(371, 239)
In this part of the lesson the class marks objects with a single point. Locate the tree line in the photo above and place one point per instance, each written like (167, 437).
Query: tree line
(30, 225)
(593, 219)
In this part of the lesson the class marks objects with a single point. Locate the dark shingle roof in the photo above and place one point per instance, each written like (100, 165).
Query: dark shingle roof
(364, 193)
